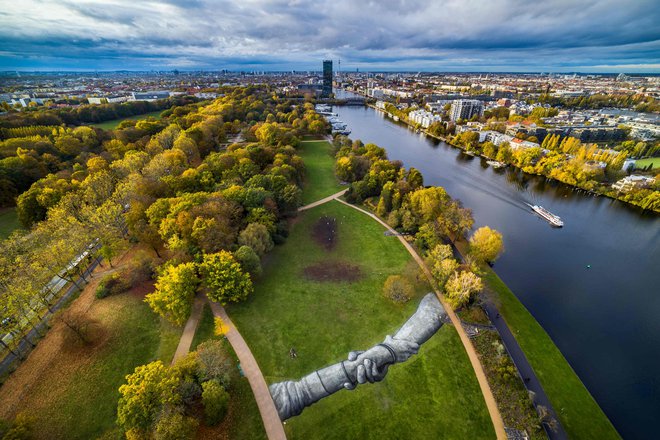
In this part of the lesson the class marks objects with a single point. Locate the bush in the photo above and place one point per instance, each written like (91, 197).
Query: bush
(175, 426)
(112, 284)
(216, 402)
(19, 429)
(398, 289)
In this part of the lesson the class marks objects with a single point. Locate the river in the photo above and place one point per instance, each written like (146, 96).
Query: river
(593, 285)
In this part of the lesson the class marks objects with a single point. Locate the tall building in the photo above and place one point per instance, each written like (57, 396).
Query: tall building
(327, 77)
(465, 109)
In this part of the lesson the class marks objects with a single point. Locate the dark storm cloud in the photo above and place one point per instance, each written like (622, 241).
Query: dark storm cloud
(431, 34)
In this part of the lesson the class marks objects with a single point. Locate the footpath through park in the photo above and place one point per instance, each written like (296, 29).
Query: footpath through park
(491, 404)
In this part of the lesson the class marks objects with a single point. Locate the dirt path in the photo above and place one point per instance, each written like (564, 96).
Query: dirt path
(272, 422)
(322, 201)
(491, 404)
(189, 330)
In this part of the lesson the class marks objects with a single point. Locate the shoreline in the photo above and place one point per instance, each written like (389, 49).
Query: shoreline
(573, 187)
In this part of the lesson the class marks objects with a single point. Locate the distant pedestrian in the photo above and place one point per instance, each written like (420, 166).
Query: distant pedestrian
(527, 380)
(292, 353)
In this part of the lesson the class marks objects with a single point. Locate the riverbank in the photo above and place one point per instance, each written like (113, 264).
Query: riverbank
(571, 415)
(596, 193)
(577, 410)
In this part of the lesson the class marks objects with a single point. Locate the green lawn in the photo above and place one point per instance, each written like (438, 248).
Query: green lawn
(320, 180)
(578, 411)
(8, 222)
(111, 125)
(433, 395)
(643, 163)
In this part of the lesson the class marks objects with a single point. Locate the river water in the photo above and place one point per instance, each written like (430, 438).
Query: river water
(593, 285)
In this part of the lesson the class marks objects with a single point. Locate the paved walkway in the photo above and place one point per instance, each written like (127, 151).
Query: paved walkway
(272, 423)
(491, 404)
(322, 201)
(189, 330)
(524, 369)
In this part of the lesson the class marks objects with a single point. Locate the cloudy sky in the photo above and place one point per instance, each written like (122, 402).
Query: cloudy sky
(440, 35)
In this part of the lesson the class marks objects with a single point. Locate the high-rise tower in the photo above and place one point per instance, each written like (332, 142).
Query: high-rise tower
(327, 78)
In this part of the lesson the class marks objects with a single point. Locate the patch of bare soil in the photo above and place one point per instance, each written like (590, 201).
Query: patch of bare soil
(333, 271)
(324, 232)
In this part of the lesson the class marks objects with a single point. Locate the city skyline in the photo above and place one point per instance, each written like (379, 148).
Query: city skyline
(473, 36)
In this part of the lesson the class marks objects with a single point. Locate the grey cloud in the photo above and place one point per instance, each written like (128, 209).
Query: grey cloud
(208, 32)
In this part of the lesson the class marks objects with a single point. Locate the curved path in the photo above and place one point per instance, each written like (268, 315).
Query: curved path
(272, 422)
(322, 201)
(491, 404)
(189, 330)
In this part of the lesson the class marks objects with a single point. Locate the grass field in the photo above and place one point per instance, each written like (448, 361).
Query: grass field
(433, 395)
(578, 411)
(320, 180)
(111, 125)
(8, 222)
(643, 163)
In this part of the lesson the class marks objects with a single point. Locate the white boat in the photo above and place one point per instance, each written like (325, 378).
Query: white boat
(554, 220)
(495, 163)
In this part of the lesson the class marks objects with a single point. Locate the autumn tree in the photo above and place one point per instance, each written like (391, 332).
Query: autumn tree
(175, 290)
(224, 279)
(460, 288)
(143, 396)
(442, 263)
(486, 244)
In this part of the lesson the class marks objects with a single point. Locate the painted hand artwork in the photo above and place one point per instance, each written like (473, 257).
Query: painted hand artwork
(292, 397)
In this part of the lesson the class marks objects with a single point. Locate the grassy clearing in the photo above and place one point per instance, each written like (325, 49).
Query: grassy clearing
(75, 397)
(8, 222)
(243, 419)
(111, 125)
(578, 411)
(319, 164)
(434, 395)
(643, 163)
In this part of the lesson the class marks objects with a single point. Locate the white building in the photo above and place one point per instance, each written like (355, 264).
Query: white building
(423, 118)
(465, 109)
(631, 182)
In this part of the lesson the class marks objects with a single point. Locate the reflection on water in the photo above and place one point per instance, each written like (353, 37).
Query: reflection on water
(592, 284)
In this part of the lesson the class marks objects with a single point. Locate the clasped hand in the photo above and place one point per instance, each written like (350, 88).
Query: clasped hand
(375, 361)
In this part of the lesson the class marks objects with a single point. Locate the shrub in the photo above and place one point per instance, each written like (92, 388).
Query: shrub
(175, 426)
(398, 289)
(19, 429)
(112, 284)
(214, 362)
(216, 402)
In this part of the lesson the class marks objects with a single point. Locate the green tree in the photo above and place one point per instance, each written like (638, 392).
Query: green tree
(216, 402)
(144, 394)
(175, 290)
(224, 278)
(486, 244)
(257, 237)
(249, 260)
